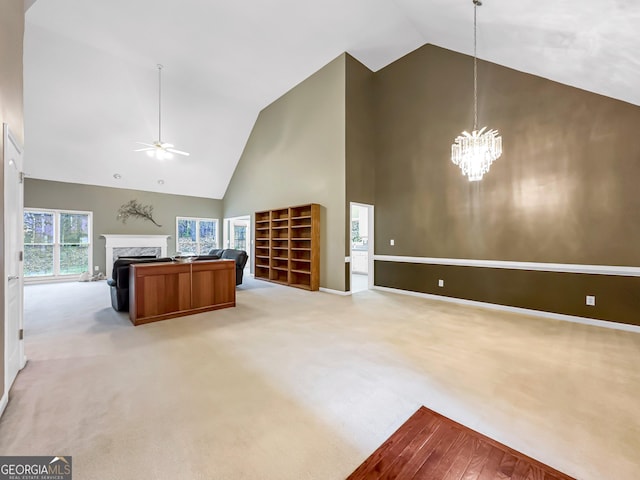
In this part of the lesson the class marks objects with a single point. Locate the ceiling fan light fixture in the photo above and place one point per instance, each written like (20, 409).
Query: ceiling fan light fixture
(162, 154)
(158, 149)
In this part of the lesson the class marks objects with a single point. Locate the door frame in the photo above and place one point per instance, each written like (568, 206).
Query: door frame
(370, 243)
(226, 238)
(10, 141)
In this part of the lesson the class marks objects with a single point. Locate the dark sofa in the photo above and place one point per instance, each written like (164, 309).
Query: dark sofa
(119, 281)
(240, 256)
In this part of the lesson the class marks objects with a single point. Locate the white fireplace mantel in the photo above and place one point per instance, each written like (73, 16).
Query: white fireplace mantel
(133, 241)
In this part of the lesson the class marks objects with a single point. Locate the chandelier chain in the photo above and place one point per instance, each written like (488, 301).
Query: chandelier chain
(475, 152)
(475, 65)
(159, 102)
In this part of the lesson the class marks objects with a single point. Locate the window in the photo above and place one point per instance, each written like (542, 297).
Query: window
(196, 235)
(56, 243)
(240, 237)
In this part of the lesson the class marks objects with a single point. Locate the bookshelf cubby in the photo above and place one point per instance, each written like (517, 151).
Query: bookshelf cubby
(261, 257)
(287, 246)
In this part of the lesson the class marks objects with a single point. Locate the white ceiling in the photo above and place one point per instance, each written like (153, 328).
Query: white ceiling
(91, 78)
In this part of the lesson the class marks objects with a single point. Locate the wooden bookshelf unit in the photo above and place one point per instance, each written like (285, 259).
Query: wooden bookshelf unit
(287, 246)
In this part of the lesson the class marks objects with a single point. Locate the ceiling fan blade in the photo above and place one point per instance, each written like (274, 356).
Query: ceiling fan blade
(166, 145)
(146, 149)
(179, 152)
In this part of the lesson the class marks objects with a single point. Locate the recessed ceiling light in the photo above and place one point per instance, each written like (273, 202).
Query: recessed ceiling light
(117, 176)
(160, 182)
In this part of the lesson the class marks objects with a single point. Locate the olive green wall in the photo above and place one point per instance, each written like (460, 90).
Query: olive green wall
(296, 155)
(617, 297)
(360, 145)
(564, 190)
(11, 110)
(359, 131)
(104, 202)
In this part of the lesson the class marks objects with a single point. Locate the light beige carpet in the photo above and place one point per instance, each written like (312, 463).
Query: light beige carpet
(298, 385)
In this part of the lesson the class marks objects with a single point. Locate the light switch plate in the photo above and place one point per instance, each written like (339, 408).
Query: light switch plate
(591, 300)
(441, 283)
(392, 242)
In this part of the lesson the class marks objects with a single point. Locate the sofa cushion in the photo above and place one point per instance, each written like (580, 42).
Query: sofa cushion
(206, 257)
(240, 256)
(119, 281)
(120, 272)
(133, 257)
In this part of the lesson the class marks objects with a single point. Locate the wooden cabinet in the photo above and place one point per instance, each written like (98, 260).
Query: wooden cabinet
(158, 291)
(287, 246)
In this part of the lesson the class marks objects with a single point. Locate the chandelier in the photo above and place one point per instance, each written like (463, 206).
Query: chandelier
(475, 152)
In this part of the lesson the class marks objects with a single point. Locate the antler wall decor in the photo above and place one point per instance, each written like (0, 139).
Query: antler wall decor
(135, 209)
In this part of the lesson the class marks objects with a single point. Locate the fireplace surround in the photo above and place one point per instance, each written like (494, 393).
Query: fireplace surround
(118, 245)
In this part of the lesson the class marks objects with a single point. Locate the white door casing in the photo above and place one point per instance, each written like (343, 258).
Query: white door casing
(13, 266)
(229, 239)
(370, 244)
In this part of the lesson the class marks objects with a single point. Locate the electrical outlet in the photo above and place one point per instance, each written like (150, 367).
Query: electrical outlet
(591, 300)
(441, 283)
(392, 242)
(96, 268)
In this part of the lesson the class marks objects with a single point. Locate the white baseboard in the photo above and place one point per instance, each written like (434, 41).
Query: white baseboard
(334, 292)
(41, 280)
(3, 402)
(537, 313)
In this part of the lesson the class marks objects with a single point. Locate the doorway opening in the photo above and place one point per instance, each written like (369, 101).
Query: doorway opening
(361, 222)
(237, 235)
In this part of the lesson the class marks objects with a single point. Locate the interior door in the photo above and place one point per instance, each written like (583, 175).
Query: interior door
(13, 245)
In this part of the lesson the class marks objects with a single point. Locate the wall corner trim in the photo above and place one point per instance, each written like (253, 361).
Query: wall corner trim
(524, 311)
(334, 292)
(3, 402)
(614, 270)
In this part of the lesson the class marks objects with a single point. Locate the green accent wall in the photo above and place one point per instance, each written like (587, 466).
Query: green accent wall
(617, 297)
(360, 144)
(11, 111)
(296, 155)
(104, 202)
(359, 134)
(564, 190)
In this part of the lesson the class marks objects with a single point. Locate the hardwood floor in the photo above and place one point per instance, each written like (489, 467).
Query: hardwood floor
(432, 447)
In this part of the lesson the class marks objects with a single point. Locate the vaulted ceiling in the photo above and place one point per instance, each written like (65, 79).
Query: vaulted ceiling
(91, 79)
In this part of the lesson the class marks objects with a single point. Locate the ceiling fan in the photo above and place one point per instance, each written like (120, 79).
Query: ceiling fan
(158, 148)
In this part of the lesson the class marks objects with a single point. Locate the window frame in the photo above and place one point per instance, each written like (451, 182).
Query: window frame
(57, 244)
(197, 220)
